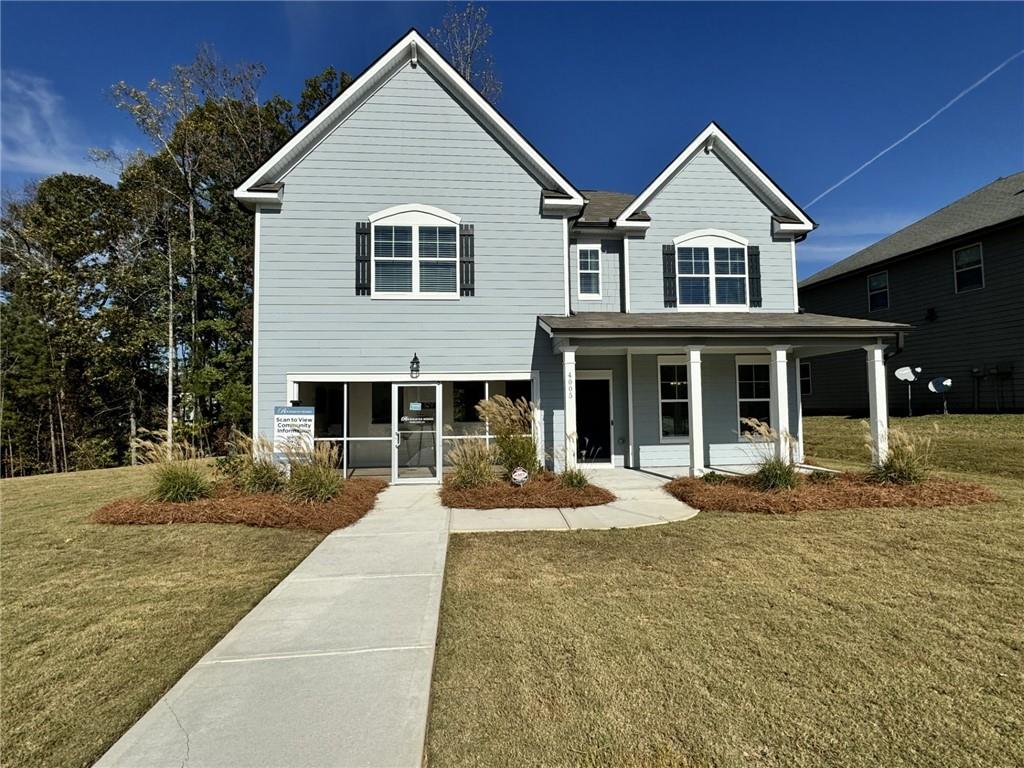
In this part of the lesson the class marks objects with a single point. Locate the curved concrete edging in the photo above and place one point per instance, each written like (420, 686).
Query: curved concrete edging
(640, 501)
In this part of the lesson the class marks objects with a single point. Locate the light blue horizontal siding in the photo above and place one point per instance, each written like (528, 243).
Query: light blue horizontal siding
(611, 277)
(410, 142)
(705, 194)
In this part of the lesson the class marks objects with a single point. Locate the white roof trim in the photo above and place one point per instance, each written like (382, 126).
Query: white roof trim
(412, 45)
(721, 142)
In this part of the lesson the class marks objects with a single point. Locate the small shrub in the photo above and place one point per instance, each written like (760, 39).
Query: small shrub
(817, 477)
(315, 476)
(714, 478)
(908, 462)
(574, 478)
(472, 464)
(511, 423)
(775, 473)
(249, 465)
(178, 474)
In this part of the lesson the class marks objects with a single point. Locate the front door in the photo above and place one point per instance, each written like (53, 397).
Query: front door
(415, 431)
(593, 421)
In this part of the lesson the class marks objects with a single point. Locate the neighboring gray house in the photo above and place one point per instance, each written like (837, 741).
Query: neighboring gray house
(415, 254)
(957, 276)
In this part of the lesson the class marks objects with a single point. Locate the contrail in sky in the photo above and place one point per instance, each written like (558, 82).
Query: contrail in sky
(896, 143)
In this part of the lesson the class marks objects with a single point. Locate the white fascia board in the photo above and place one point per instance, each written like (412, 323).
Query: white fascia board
(258, 198)
(721, 140)
(414, 44)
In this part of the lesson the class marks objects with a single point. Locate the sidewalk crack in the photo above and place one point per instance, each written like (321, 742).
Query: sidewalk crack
(188, 744)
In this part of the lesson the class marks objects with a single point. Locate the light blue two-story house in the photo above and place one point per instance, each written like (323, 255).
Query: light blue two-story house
(415, 254)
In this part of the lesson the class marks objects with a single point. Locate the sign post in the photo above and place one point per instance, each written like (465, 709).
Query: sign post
(293, 430)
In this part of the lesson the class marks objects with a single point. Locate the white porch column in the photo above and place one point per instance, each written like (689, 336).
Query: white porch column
(695, 404)
(569, 379)
(631, 459)
(878, 402)
(779, 405)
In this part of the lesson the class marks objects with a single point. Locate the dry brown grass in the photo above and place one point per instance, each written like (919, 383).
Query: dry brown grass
(261, 510)
(845, 491)
(544, 490)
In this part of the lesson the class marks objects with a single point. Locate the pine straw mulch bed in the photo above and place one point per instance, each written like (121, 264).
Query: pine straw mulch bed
(261, 510)
(846, 491)
(543, 490)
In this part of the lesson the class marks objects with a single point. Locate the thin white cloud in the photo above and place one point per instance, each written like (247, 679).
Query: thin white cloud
(844, 235)
(38, 137)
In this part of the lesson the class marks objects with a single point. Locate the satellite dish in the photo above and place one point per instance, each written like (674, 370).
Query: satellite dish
(908, 374)
(940, 385)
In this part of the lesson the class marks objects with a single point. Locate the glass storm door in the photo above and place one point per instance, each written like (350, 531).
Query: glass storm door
(417, 435)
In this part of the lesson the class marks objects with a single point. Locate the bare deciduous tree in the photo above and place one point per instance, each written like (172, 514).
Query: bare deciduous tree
(463, 38)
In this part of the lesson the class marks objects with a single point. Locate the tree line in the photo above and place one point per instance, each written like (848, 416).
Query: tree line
(128, 306)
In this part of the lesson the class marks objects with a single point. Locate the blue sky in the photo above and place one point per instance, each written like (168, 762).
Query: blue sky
(609, 92)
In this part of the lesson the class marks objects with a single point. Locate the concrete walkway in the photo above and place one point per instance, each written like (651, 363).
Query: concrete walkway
(332, 668)
(640, 501)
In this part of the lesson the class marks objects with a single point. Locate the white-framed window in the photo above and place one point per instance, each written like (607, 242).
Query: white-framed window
(753, 390)
(673, 399)
(968, 268)
(588, 273)
(878, 291)
(805, 378)
(415, 253)
(711, 271)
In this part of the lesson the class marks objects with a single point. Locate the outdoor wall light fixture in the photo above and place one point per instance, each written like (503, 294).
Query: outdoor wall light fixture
(414, 367)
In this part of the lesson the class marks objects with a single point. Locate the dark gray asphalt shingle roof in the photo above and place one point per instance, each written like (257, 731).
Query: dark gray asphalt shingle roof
(1000, 201)
(730, 322)
(602, 206)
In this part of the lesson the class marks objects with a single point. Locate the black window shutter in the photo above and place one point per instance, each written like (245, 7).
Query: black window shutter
(362, 258)
(754, 274)
(668, 268)
(467, 268)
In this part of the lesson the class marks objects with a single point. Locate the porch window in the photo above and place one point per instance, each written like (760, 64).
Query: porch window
(415, 252)
(673, 398)
(878, 291)
(589, 272)
(968, 269)
(754, 392)
(465, 396)
(805, 378)
(711, 267)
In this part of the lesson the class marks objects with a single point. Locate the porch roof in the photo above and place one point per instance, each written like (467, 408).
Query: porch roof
(735, 324)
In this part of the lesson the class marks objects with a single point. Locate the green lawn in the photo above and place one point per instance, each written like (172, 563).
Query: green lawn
(853, 638)
(99, 620)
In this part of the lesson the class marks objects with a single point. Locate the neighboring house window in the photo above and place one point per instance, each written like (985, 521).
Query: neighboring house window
(465, 396)
(968, 269)
(673, 397)
(589, 258)
(754, 392)
(711, 267)
(805, 378)
(878, 291)
(415, 252)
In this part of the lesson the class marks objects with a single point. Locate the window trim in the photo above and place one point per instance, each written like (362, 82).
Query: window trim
(673, 360)
(765, 360)
(800, 379)
(867, 284)
(710, 239)
(415, 215)
(981, 266)
(579, 271)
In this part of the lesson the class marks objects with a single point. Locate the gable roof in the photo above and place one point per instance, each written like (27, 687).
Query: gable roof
(788, 216)
(411, 48)
(603, 208)
(999, 202)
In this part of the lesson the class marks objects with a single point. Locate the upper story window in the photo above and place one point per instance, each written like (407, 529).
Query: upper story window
(878, 291)
(415, 251)
(711, 269)
(589, 272)
(968, 270)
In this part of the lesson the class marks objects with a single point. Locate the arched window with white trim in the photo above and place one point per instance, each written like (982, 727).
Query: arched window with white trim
(711, 270)
(415, 252)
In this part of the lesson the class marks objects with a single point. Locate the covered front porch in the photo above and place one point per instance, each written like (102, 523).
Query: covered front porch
(672, 392)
